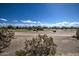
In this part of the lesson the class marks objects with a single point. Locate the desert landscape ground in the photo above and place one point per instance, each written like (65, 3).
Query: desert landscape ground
(66, 45)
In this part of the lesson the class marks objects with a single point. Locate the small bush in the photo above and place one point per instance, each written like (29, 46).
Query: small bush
(35, 30)
(77, 34)
(54, 30)
(73, 36)
(38, 29)
(20, 53)
(5, 38)
(40, 46)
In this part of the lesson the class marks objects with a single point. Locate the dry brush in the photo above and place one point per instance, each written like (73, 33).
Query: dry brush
(5, 38)
(39, 46)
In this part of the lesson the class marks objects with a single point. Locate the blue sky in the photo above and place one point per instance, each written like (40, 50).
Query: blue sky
(44, 14)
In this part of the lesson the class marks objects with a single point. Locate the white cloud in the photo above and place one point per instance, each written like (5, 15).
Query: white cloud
(26, 21)
(38, 23)
(29, 21)
(34, 22)
(2, 19)
(15, 20)
(68, 24)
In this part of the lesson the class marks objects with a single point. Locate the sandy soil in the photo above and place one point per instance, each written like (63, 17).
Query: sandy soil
(66, 45)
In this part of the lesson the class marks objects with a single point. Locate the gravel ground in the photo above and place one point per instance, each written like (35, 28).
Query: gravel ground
(66, 45)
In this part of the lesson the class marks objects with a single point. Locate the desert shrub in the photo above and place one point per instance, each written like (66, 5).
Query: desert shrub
(38, 29)
(77, 34)
(40, 46)
(20, 53)
(73, 36)
(54, 30)
(5, 38)
(34, 29)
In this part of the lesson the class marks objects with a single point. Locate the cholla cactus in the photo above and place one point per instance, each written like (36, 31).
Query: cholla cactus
(40, 46)
(5, 38)
(77, 34)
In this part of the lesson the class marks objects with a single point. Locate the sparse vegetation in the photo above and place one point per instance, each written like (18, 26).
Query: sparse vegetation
(77, 34)
(5, 38)
(73, 36)
(40, 46)
(20, 53)
(54, 30)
